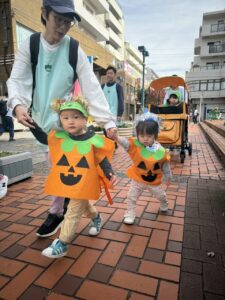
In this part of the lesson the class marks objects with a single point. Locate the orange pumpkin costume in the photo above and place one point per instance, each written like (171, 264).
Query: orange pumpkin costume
(75, 171)
(147, 167)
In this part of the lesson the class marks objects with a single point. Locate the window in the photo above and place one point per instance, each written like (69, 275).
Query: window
(203, 85)
(223, 84)
(207, 85)
(217, 85)
(22, 33)
(212, 65)
(221, 25)
(210, 85)
(194, 86)
(214, 47)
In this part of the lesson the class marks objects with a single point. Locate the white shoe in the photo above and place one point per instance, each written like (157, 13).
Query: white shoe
(129, 217)
(129, 220)
(96, 225)
(56, 250)
(3, 186)
(164, 207)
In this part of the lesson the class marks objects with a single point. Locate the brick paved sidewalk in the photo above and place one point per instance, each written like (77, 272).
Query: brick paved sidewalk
(136, 262)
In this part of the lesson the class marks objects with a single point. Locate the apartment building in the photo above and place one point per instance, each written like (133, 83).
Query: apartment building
(206, 78)
(102, 20)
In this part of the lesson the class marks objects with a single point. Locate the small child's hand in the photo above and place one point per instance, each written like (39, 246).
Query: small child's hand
(113, 179)
(111, 132)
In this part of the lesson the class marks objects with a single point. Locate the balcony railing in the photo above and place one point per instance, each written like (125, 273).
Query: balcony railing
(210, 67)
(206, 85)
(217, 27)
(217, 48)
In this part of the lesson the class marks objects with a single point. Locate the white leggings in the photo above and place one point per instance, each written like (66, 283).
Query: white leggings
(135, 191)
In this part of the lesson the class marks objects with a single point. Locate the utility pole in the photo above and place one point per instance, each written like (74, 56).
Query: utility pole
(144, 54)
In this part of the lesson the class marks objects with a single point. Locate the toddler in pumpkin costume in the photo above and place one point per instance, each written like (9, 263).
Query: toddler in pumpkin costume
(79, 157)
(150, 164)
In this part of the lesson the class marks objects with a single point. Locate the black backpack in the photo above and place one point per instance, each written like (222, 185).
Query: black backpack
(3, 108)
(34, 51)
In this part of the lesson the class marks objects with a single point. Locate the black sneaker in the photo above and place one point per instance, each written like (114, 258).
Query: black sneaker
(50, 226)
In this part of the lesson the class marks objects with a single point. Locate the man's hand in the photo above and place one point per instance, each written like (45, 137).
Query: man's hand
(111, 132)
(23, 116)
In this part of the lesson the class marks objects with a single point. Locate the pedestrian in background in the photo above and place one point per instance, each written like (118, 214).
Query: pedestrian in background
(195, 116)
(6, 119)
(114, 93)
(54, 78)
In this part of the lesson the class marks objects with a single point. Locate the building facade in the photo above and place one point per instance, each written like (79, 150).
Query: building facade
(206, 78)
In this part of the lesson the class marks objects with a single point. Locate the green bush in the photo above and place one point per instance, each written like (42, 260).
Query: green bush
(4, 153)
(125, 125)
(214, 114)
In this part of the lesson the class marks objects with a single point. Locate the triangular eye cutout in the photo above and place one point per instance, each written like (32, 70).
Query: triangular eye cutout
(142, 166)
(156, 167)
(83, 163)
(63, 161)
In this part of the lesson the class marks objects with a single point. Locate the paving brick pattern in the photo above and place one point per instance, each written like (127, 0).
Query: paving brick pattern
(162, 256)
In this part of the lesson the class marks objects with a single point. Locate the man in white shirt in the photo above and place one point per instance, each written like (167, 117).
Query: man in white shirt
(195, 116)
(7, 120)
(54, 78)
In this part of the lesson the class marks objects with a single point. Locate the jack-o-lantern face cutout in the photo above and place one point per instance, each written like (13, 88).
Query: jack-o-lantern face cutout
(71, 179)
(149, 177)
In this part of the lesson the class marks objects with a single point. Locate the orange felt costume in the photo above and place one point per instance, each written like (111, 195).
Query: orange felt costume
(147, 165)
(75, 171)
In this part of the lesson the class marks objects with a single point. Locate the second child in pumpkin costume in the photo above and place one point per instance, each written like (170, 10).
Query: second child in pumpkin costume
(78, 158)
(150, 164)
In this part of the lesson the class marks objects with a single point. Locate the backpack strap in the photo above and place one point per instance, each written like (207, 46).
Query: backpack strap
(34, 51)
(73, 54)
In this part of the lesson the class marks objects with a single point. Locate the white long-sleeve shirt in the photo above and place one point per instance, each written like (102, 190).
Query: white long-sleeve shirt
(21, 81)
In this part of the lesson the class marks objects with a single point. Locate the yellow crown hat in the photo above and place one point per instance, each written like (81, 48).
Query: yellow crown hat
(77, 103)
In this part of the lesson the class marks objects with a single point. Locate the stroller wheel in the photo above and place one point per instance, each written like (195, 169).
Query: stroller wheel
(182, 156)
(190, 149)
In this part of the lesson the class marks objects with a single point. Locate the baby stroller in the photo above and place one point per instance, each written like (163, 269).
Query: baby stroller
(174, 119)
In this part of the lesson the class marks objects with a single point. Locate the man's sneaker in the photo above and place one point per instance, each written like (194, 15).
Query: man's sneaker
(3, 186)
(50, 226)
(164, 207)
(96, 224)
(55, 250)
(129, 217)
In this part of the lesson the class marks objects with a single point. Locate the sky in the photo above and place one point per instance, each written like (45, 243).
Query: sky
(167, 29)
